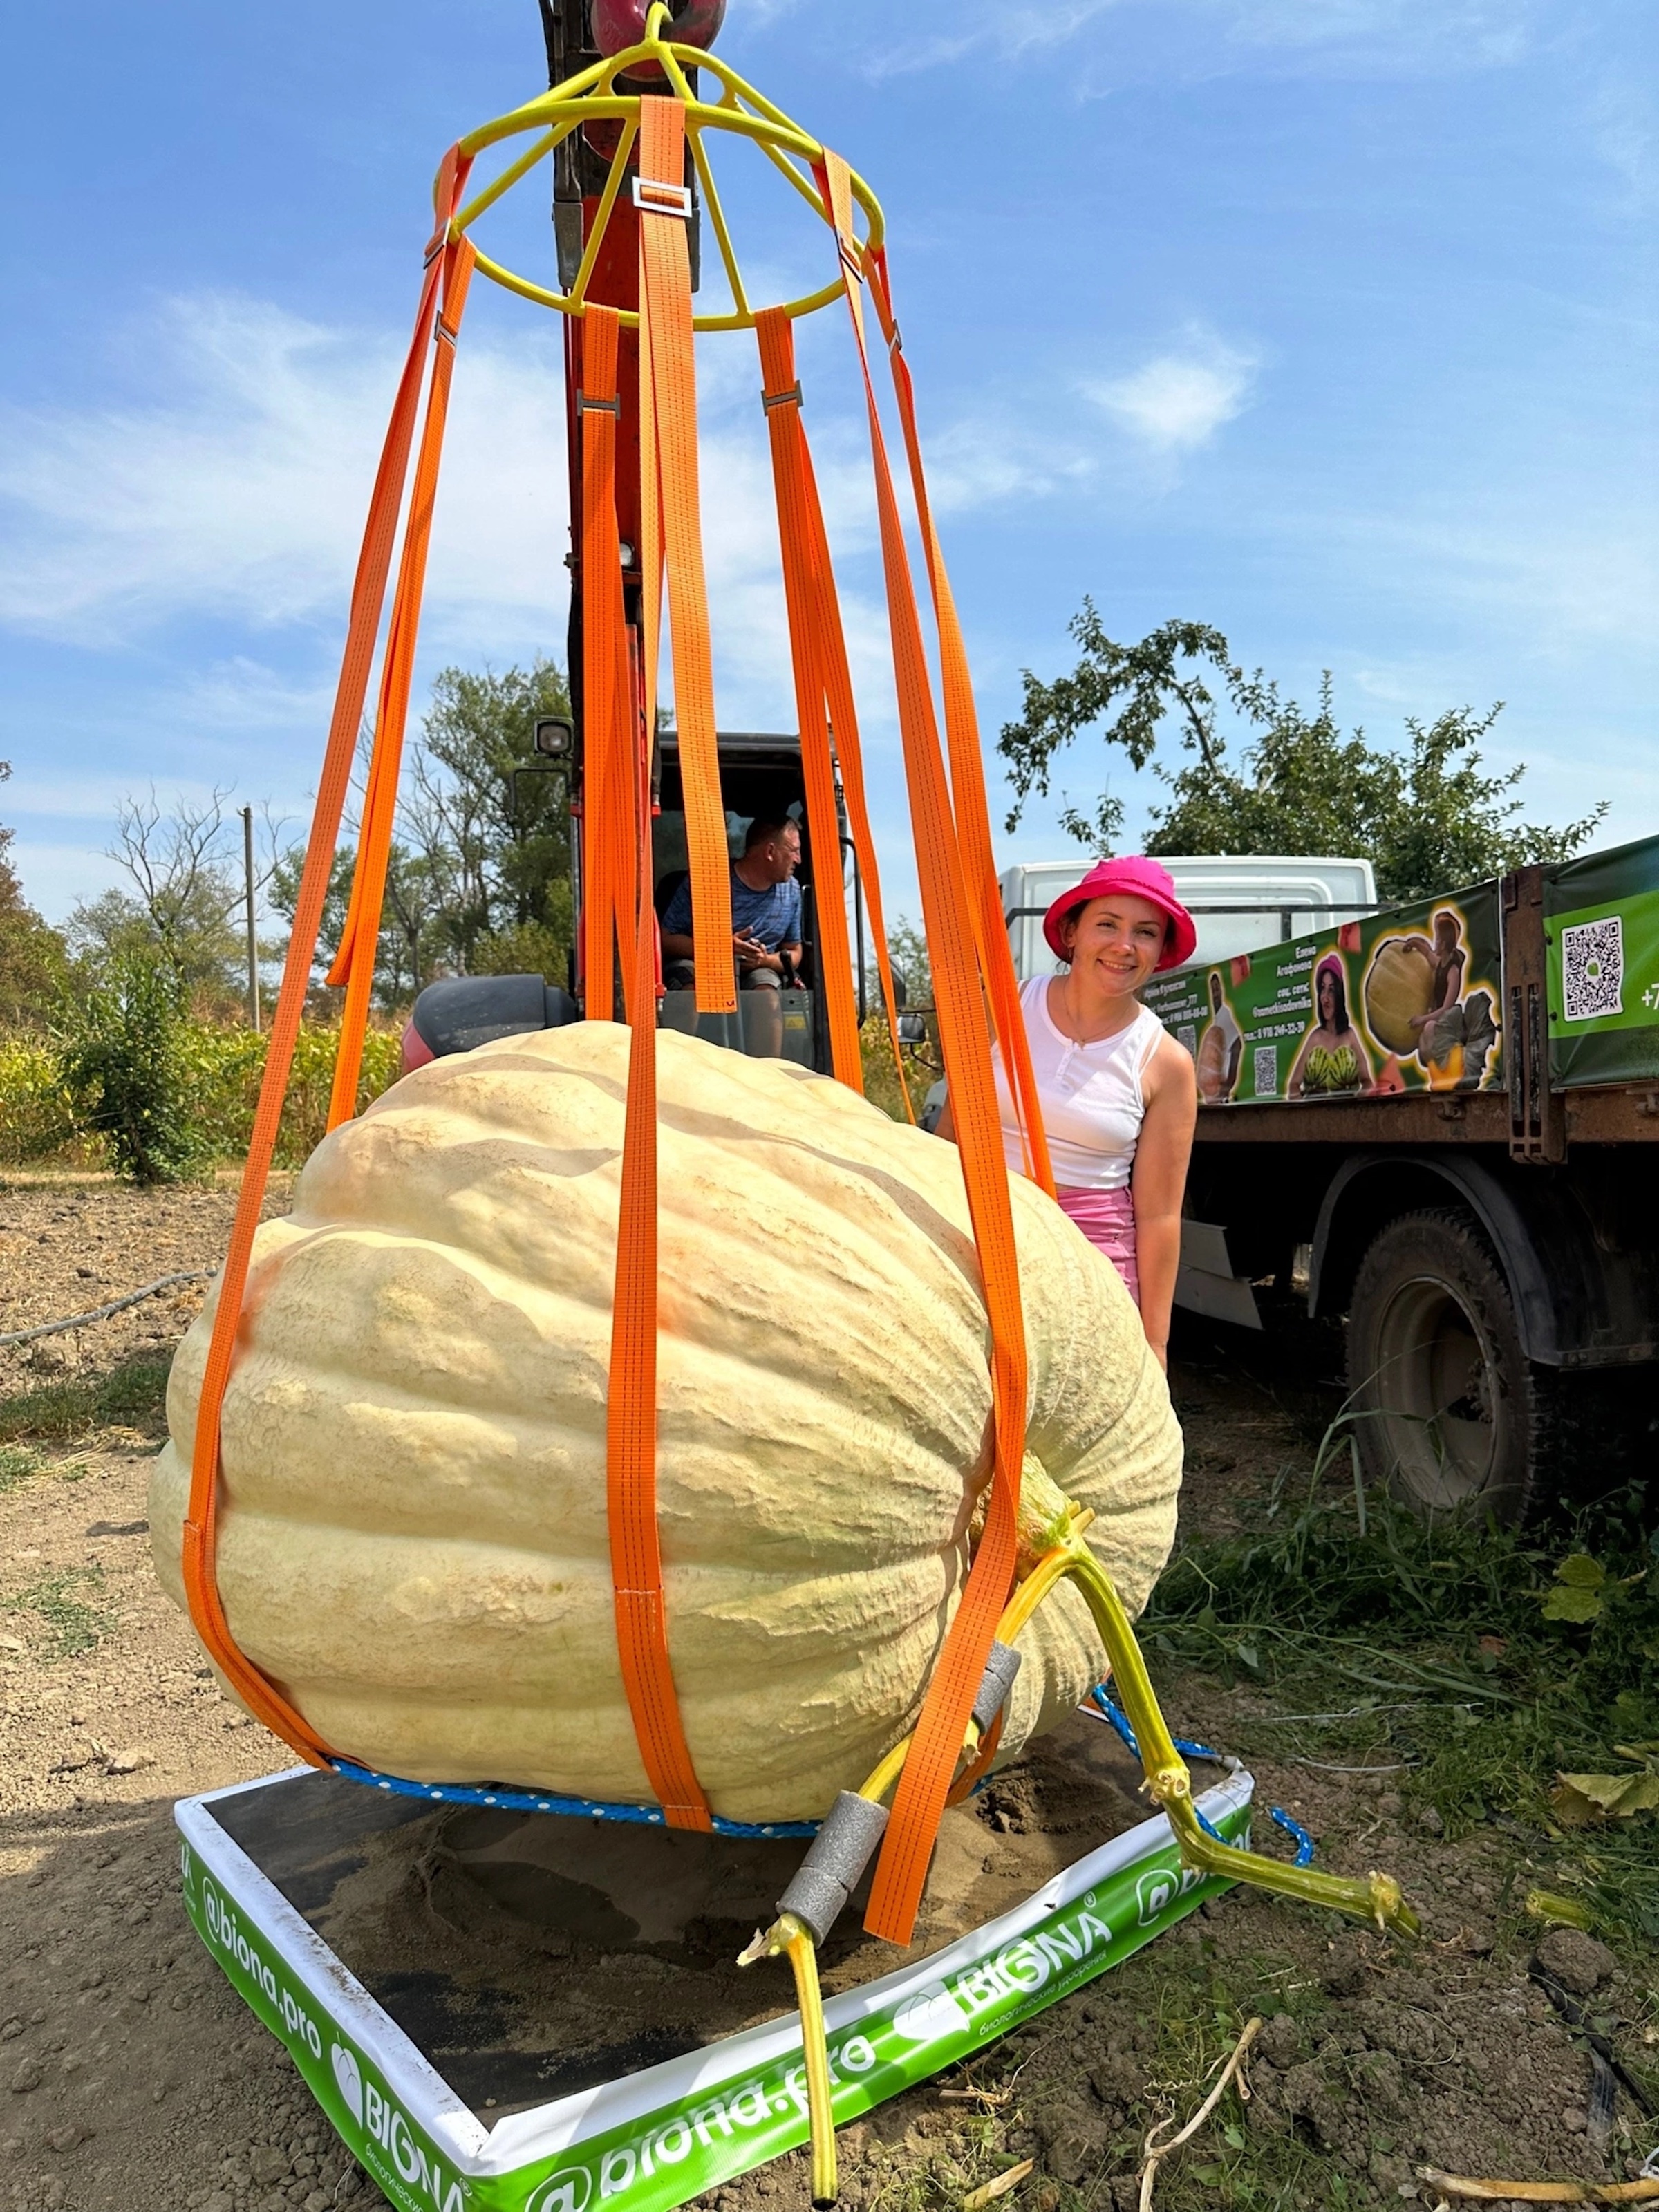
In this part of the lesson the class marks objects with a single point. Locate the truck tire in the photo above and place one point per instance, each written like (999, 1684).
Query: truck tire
(1451, 1414)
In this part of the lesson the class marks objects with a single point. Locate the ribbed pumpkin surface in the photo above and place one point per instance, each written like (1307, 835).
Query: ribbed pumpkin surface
(413, 1540)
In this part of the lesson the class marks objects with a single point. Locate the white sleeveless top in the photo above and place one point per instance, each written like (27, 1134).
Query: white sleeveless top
(1090, 1096)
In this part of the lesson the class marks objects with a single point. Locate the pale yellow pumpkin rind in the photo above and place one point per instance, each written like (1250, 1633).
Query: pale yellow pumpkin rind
(412, 1534)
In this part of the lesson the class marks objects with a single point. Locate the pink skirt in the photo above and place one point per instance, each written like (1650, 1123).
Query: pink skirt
(1107, 1218)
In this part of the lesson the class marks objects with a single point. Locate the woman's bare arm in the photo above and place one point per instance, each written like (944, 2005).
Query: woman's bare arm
(1158, 1183)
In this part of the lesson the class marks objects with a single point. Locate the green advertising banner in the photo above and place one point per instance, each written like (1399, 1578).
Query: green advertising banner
(1602, 924)
(1407, 1001)
(651, 2140)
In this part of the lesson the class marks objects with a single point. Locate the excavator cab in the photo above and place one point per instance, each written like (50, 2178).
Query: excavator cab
(760, 775)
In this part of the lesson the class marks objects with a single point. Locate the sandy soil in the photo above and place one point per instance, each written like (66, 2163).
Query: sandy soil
(132, 2081)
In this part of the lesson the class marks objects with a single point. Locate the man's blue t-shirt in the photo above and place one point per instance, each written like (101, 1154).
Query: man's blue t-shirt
(771, 917)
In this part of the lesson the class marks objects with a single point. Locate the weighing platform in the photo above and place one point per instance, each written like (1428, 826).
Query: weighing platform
(508, 2012)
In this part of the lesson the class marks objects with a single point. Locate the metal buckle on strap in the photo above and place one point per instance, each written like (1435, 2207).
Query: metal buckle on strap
(444, 331)
(586, 406)
(850, 254)
(651, 197)
(790, 398)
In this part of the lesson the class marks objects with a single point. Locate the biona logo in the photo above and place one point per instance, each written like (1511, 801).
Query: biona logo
(384, 2123)
(1158, 1887)
(413, 2163)
(227, 1934)
(564, 2192)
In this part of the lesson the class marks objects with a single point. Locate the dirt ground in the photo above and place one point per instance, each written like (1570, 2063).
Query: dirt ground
(132, 2081)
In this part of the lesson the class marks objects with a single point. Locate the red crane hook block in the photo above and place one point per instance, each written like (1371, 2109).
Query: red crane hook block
(619, 24)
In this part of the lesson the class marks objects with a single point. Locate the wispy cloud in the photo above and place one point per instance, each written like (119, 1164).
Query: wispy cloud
(1178, 400)
(1364, 34)
(236, 495)
(1624, 131)
(239, 497)
(1480, 33)
(1010, 32)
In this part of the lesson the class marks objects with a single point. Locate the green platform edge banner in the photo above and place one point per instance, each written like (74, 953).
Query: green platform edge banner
(661, 2159)
(1620, 886)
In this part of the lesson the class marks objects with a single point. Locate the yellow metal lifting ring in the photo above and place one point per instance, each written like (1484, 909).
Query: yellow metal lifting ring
(590, 96)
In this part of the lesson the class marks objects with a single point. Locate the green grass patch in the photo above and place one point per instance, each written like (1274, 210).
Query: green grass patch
(131, 1397)
(1478, 1663)
(19, 1464)
(16, 1465)
(76, 1625)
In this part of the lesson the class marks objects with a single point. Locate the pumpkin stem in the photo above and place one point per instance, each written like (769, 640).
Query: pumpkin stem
(1376, 1898)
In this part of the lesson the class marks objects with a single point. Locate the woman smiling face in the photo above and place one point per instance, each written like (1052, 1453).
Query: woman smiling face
(1114, 944)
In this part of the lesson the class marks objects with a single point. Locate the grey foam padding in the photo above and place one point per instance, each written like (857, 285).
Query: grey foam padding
(1000, 1668)
(838, 1855)
(815, 1897)
(843, 1844)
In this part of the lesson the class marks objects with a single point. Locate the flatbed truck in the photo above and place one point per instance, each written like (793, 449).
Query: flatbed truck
(1438, 1121)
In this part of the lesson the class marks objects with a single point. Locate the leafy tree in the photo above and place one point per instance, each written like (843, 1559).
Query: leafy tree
(122, 1063)
(1429, 814)
(31, 953)
(490, 822)
(478, 877)
(185, 867)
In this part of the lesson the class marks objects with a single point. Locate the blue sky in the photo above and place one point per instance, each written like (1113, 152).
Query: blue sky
(1330, 322)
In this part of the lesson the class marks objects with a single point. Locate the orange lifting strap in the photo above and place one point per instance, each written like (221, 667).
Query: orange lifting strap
(967, 763)
(974, 988)
(671, 537)
(669, 499)
(447, 265)
(610, 891)
(949, 916)
(823, 702)
(354, 963)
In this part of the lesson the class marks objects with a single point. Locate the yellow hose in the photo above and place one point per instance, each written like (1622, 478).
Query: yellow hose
(820, 2118)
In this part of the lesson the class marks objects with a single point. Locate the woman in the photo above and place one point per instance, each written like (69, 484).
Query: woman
(1333, 1057)
(1118, 1093)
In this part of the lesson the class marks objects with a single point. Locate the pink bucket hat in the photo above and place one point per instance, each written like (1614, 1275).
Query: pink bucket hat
(1134, 878)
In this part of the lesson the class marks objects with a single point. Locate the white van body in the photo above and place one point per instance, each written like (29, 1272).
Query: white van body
(1241, 901)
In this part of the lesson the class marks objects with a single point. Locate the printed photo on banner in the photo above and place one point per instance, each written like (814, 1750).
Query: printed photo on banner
(1401, 1001)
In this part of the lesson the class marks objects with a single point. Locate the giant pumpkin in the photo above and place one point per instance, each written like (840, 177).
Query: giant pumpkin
(413, 1541)
(1398, 983)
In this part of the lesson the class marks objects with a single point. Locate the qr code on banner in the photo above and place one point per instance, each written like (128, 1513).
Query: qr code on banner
(1267, 1071)
(1593, 968)
(1186, 1036)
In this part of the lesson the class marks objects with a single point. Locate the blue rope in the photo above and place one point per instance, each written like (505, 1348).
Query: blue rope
(1119, 1721)
(1304, 1841)
(1111, 1710)
(532, 1800)
(651, 1816)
